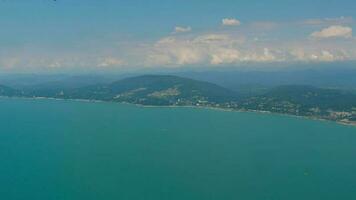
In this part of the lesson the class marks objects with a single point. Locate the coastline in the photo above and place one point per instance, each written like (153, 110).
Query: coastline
(344, 123)
(247, 111)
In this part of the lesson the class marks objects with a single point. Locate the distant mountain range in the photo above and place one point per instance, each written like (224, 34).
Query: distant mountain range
(165, 90)
(7, 91)
(247, 82)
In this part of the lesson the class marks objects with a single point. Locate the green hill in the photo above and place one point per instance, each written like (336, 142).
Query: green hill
(165, 90)
(151, 90)
(312, 96)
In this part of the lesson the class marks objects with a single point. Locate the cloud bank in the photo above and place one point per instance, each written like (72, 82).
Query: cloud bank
(333, 32)
(252, 42)
(229, 49)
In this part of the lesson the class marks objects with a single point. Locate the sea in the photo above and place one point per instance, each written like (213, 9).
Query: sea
(73, 150)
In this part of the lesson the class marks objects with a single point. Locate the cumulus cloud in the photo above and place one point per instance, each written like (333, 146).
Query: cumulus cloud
(174, 51)
(209, 48)
(179, 29)
(217, 49)
(333, 32)
(214, 49)
(225, 56)
(327, 56)
(110, 62)
(230, 22)
(319, 55)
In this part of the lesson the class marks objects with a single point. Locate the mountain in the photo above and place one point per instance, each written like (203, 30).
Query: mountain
(301, 100)
(78, 81)
(150, 90)
(255, 82)
(7, 91)
(64, 84)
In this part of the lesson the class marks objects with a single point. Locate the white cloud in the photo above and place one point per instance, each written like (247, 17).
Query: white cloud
(225, 56)
(318, 55)
(217, 49)
(214, 49)
(324, 56)
(333, 32)
(173, 51)
(110, 62)
(230, 22)
(179, 29)
(258, 42)
(327, 56)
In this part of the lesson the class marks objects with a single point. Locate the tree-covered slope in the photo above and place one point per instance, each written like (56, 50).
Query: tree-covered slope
(150, 90)
(305, 101)
(158, 90)
(312, 96)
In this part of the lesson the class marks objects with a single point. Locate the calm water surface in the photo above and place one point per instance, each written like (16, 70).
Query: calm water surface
(66, 150)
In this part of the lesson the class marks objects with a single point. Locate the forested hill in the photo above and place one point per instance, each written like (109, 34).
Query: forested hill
(149, 90)
(331, 104)
(302, 100)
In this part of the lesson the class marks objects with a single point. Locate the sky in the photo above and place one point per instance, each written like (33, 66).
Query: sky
(81, 35)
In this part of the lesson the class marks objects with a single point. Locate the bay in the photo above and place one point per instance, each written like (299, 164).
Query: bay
(51, 149)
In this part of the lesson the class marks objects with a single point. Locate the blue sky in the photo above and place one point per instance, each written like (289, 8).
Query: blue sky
(65, 34)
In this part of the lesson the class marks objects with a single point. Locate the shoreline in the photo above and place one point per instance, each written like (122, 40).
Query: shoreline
(344, 123)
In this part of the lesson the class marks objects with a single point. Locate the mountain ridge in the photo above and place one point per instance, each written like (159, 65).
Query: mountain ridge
(166, 90)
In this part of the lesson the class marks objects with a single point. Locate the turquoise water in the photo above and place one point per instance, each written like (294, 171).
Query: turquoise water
(76, 150)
